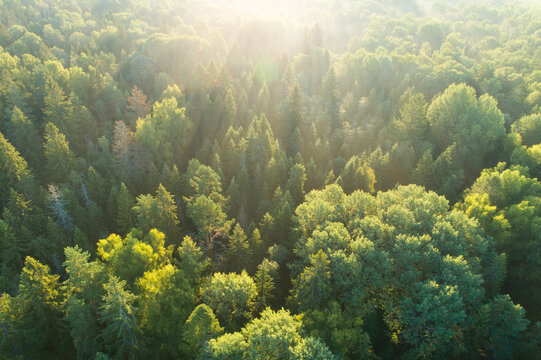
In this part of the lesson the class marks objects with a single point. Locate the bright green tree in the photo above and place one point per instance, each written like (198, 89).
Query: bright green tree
(131, 257)
(231, 297)
(274, 335)
(165, 300)
(200, 327)
(165, 133)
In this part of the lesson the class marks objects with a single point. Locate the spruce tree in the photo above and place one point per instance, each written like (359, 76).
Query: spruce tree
(121, 335)
(60, 159)
(125, 204)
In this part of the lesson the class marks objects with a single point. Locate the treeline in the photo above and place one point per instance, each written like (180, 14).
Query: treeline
(336, 180)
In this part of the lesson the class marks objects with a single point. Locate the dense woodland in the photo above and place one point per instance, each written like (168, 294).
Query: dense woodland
(330, 179)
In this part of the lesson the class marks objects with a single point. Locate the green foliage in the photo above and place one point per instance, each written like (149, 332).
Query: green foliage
(238, 250)
(292, 118)
(342, 332)
(165, 133)
(58, 110)
(295, 183)
(165, 301)
(529, 129)
(211, 222)
(506, 322)
(204, 181)
(265, 278)
(84, 290)
(32, 320)
(85, 279)
(24, 135)
(246, 146)
(402, 251)
(121, 335)
(13, 169)
(433, 315)
(227, 347)
(313, 287)
(191, 261)
(131, 257)
(274, 335)
(158, 211)
(125, 204)
(357, 175)
(474, 125)
(510, 212)
(201, 326)
(60, 161)
(231, 297)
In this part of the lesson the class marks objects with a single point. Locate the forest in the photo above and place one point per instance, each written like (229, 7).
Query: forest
(273, 180)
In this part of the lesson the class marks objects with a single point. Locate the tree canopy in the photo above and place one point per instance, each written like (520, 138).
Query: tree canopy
(270, 179)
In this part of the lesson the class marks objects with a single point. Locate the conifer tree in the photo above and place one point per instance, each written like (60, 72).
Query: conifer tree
(292, 118)
(121, 335)
(24, 135)
(60, 159)
(192, 261)
(264, 279)
(138, 106)
(57, 207)
(125, 204)
(313, 288)
(329, 94)
(295, 183)
(238, 250)
(158, 211)
(58, 108)
(13, 169)
(34, 320)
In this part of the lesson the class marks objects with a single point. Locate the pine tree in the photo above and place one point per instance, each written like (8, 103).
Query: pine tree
(60, 159)
(12, 247)
(329, 94)
(125, 204)
(313, 288)
(121, 335)
(191, 261)
(295, 183)
(82, 129)
(264, 278)
(238, 250)
(36, 325)
(159, 212)
(169, 210)
(211, 223)
(58, 109)
(292, 118)
(97, 188)
(24, 135)
(13, 169)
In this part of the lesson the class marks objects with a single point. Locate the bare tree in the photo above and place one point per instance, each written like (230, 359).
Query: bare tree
(138, 106)
(57, 207)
